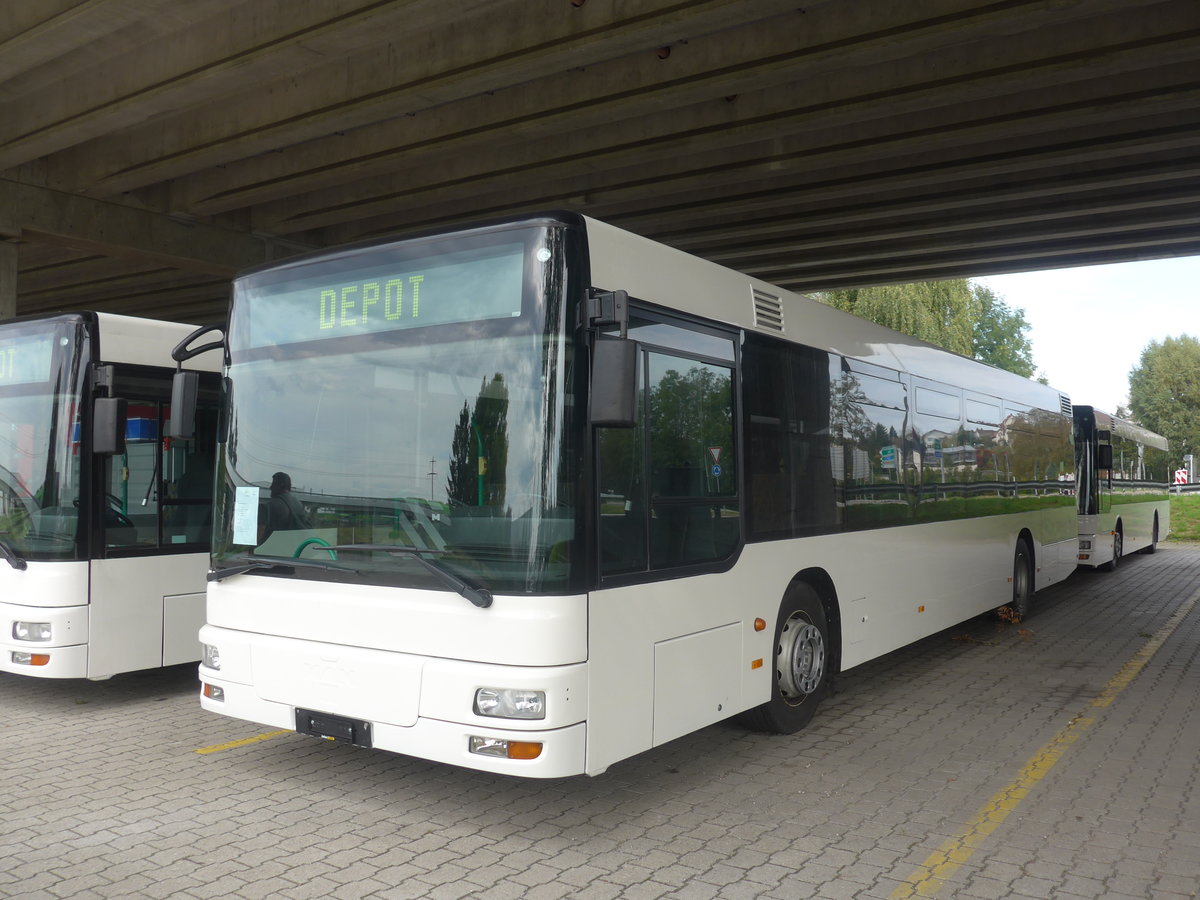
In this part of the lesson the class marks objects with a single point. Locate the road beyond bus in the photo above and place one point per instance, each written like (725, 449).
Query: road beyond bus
(1055, 757)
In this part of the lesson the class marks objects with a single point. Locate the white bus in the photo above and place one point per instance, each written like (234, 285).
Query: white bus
(104, 527)
(1123, 484)
(560, 494)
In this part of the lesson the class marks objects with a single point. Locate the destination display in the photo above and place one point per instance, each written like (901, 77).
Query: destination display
(26, 359)
(378, 291)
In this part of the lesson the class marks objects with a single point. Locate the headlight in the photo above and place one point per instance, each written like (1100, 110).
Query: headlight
(212, 656)
(31, 631)
(510, 703)
(1085, 545)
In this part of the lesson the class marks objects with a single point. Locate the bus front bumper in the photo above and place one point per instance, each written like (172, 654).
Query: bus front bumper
(64, 654)
(414, 705)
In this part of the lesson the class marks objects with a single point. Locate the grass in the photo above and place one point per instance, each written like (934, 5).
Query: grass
(1185, 517)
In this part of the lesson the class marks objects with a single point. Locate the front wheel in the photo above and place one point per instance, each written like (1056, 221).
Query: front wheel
(802, 661)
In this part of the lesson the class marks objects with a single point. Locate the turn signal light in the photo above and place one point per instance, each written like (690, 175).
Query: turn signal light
(524, 750)
(760, 625)
(505, 749)
(30, 659)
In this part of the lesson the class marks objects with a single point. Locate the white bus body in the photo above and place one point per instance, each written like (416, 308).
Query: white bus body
(106, 552)
(641, 576)
(1123, 475)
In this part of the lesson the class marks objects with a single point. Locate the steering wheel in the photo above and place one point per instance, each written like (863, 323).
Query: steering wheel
(113, 517)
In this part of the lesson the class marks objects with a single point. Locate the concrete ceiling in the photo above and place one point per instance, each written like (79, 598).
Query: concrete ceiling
(149, 149)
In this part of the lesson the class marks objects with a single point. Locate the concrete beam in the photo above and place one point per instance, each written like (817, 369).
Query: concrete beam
(667, 145)
(98, 226)
(390, 88)
(8, 279)
(820, 58)
(242, 44)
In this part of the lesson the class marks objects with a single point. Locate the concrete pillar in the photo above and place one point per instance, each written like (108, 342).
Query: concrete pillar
(8, 280)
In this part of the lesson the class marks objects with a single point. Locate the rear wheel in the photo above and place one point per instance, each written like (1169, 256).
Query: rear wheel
(801, 661)
(1022, 584)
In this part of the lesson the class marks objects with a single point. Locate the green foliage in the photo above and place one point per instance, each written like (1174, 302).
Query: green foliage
(1000, 334)
(1185, 517)
(479, 451)
(968, 319)
(1164, 392)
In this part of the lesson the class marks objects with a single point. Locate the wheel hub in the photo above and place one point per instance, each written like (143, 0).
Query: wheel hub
(801, 658)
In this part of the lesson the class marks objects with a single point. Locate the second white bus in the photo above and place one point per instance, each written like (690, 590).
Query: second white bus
(1123, 488)
(104, 526)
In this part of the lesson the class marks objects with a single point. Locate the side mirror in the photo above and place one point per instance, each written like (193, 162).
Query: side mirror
(614, 382)
(185, 386)
(1104, 456)
(109, 418)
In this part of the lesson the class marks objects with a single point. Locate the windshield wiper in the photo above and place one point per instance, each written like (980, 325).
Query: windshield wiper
(11, 555)
(255, 565)
(481, 597)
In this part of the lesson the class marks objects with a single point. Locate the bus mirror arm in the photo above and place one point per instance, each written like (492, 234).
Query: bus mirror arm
(185, 385)
(182, 352)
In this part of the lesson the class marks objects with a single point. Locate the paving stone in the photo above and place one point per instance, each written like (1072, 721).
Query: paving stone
(899, 759)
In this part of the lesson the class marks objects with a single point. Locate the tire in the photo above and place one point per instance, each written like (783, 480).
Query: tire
(802, 665)
(1118, 545)
(1019, 606)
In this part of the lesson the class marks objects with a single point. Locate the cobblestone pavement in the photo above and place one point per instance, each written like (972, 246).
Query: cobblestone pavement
(1056, 758)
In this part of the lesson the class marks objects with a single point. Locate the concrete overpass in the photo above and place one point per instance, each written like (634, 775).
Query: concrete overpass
(149, 149)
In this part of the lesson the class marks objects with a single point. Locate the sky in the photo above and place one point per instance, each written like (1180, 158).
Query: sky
(1088, 326)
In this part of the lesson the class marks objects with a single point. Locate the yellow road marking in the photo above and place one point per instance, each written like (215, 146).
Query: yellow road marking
(244, 741)
(940, 865)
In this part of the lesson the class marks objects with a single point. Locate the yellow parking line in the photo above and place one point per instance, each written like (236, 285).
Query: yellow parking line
(940, 865)
(244, 741)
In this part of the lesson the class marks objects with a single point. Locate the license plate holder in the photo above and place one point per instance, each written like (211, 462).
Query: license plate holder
(333, 728)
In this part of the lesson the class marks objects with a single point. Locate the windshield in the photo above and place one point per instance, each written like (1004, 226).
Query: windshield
(42, 369)
(356, 438)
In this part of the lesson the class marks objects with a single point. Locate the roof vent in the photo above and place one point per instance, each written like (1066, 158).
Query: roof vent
(768, 311)
(1065, 404)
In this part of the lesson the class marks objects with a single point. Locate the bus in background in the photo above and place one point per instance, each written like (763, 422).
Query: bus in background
(1123, 483)
(535, 496)
(104, 526)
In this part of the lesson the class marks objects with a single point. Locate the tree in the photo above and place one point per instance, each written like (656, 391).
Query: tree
(479, 450)
(1164, 392)
(1000, 335)
(969, 319)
